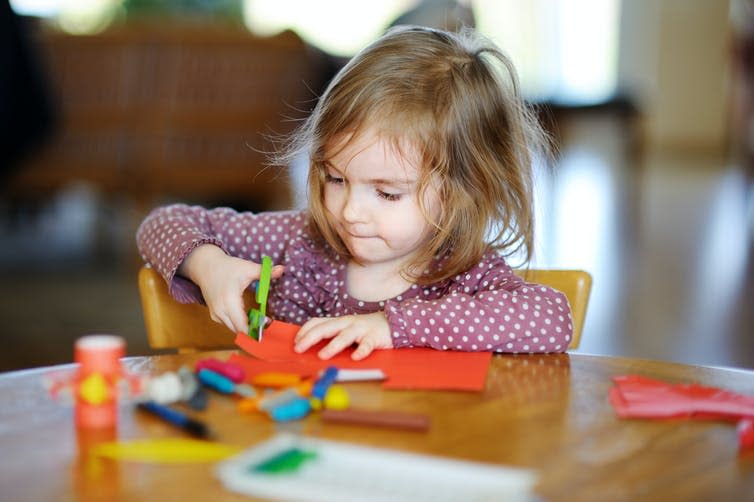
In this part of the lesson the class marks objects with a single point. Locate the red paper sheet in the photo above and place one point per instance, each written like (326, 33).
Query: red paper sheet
(637, 396)
(634, 396)
(415, 368)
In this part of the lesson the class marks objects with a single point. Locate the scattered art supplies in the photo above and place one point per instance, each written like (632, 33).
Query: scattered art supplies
(289, 467)
(416, 368)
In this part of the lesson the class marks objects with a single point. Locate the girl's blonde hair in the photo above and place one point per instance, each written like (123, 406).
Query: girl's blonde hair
(455, 98)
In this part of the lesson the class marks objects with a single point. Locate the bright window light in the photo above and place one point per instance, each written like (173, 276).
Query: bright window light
(40, 8)
(339, 27)
(564, 50)
(73, 16)
(587, 49)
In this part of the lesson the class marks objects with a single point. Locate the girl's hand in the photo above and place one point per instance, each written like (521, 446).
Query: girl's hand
(368, 331)
(223, 279)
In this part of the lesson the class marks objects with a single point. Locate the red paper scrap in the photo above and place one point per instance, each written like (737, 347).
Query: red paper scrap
(415, 368)
(634, 396)
(638, 396)
(745, 431)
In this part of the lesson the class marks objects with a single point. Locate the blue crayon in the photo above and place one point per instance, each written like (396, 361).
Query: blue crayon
(294, 409)
(216, 381)
(324, 382)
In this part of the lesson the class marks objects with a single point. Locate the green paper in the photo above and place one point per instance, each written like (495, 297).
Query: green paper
(284, 462)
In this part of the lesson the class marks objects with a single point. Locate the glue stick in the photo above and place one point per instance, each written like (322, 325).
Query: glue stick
(96, 382)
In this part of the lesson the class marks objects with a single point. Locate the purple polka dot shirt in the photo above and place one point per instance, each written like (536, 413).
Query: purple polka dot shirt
(487, 308)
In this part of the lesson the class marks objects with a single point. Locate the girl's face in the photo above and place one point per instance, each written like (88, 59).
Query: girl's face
(371, 200)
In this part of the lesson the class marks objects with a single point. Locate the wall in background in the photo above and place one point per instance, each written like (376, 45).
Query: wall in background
(674, 61)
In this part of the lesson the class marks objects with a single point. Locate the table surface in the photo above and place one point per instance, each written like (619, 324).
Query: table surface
(545, 412)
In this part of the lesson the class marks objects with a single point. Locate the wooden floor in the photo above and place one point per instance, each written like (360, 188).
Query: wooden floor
(668, 238)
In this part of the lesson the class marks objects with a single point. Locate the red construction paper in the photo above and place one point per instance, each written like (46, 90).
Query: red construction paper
(745, 430)
(637, 396)
(634, 396)
(414, 368)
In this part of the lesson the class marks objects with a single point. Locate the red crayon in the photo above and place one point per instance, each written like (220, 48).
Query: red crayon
(231, 371)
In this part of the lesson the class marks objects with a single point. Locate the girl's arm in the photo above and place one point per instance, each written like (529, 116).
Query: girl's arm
(487, 309)
(212, 255)
(170, 234)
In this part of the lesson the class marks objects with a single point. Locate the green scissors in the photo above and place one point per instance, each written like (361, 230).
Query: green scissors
(257, 316)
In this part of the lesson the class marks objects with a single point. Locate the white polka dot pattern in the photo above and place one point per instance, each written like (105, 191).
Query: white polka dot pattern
(488, 308)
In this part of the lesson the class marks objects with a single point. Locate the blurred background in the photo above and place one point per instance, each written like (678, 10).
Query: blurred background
(111, 107)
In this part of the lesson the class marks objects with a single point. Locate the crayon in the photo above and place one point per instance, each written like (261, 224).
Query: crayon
(230, 371)
(216, 381)
(294, 409)
(276, 380)
(377, 418)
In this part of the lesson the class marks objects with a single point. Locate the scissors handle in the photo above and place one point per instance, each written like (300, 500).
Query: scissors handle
(263, 288)
(257, 316)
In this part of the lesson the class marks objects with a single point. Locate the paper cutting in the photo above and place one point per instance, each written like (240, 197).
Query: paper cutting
(412, 368)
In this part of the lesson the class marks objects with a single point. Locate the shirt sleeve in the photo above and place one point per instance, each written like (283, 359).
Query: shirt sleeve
(489, 308)
(168, 234)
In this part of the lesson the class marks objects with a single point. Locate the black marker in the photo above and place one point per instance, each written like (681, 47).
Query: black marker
(190, 425)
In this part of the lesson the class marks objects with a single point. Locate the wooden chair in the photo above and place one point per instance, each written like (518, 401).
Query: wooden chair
(575, 284)
(183, 326)
(188, 328)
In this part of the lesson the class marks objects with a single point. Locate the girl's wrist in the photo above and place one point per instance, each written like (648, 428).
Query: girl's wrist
(198, 261)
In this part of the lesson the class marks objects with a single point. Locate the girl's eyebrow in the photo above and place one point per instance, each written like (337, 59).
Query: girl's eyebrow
(393, 182)
(396, 182)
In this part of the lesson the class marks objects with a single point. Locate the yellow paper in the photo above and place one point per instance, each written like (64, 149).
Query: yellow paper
(165, 451)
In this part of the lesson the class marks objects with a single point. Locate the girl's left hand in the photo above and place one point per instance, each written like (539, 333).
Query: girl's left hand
(368, 331)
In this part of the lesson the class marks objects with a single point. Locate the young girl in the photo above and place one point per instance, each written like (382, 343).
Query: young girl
(419, 186)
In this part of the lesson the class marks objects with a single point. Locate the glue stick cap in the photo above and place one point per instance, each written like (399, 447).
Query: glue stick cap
(100, 353)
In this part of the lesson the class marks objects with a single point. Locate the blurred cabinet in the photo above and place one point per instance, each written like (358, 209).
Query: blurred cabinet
(173, 112)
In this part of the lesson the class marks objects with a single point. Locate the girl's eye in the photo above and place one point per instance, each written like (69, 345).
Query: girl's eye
(389, 196)
(329, 178)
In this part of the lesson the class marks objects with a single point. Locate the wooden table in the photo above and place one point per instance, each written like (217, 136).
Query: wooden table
(549, 413)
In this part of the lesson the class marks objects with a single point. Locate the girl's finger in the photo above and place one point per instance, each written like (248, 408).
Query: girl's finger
(277, 271)
(239, 322)
(222, 319)
(345, 339)
(236, 315)
(364, 349)
(327, 328)
(308, 326)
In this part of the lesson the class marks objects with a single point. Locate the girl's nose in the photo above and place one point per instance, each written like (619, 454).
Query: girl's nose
(352, 208)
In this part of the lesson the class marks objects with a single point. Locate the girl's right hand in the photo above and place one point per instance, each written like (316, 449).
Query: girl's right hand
(223, 279)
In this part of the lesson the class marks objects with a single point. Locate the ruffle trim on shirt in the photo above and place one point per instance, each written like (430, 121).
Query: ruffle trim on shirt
(185, 291)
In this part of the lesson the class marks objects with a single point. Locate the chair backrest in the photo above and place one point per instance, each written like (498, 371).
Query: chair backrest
(173, 325)
(188, 327)
(575, 284)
